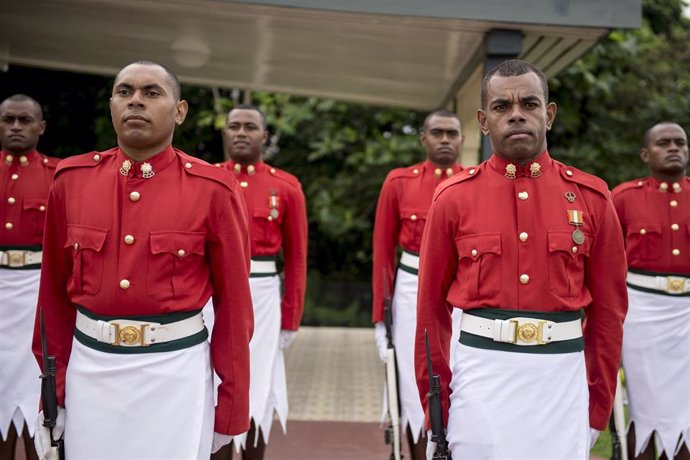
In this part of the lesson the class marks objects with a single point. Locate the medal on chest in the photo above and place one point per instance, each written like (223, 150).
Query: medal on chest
(575, 218)
(273, 204)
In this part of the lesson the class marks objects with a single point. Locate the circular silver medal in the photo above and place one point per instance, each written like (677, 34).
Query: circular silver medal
(274, 213)
(578, 236)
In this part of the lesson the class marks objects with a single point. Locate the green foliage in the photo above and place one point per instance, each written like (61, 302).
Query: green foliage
(627, 83)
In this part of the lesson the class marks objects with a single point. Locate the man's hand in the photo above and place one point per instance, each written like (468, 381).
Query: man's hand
(381, 340)
(430, 446)
(220, 440)
(44, 449)
(286, 338)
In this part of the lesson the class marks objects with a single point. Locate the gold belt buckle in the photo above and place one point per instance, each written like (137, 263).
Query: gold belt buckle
(528, 332)
(675, 285)
(16, 258)
(129, 335)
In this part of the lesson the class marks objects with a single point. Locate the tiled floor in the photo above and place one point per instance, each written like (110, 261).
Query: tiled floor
(334, 374)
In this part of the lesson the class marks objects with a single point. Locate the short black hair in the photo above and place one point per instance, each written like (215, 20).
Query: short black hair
(177, 88)
(439, 113)
(514, 68)
(25, 98)
(254, 108)
(646, 138)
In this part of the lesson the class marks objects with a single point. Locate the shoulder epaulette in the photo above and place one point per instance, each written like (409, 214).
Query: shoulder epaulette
(630, 185)
(284, 175)
(406, 172)
(571, 174)
(49, 162)
(200, 168)
(466, 174)
(86, 160)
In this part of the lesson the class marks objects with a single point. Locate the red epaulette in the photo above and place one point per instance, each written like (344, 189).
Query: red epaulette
(590, 181)
(200, 168)
(630, 185)
(284, 175)
(468, 173)
(86, 160)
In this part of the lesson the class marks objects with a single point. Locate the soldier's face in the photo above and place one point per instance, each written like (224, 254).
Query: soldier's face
(442, 140)
(516, 117)
(667, 149)
(21, 125)
(245, 135)
(144, 108)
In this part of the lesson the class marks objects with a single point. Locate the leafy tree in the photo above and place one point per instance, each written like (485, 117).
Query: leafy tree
(628, 82)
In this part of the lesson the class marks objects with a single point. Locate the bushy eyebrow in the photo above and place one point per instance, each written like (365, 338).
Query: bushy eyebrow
(124, 85)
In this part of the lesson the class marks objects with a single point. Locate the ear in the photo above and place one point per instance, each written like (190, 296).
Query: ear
(644, 154)
(481, 118)
(43, 127)
(182, 108)
(550, 114)
(264, 140)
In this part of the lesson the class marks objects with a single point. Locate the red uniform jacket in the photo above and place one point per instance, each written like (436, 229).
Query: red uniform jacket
(400, 218)
(190, 241)
(656, 223)
(486, 231)
(277, 219)
(25, 183)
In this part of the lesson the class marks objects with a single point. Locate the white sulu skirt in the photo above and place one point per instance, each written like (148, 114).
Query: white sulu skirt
(268, 383)
(145, 406)
(510, 406)
(20, 385)
(656, 359)
(404, 330)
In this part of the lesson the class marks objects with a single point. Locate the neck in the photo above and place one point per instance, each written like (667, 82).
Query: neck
(246, 161)
(446, 164)
(143, 154)
(19, 152)
(668, 176)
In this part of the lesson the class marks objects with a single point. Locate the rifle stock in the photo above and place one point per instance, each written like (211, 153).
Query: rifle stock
(438, 434)
(49, 391)
(393, 435)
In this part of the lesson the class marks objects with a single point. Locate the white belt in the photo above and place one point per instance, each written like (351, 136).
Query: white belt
(667, 284)
(19, 258)
(263, 267)
(131, 333)
(409, 260)
(521, 331)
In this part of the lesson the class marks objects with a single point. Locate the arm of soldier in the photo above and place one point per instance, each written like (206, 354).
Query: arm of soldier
(385, 240)
(56, 270)
(605, 272)
(294, 233)
(437, 270)
(229, 256)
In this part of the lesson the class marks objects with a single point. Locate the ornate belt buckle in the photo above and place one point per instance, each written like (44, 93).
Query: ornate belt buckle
(129, 335)
(16, 258)
(675, 285)
(528, 332)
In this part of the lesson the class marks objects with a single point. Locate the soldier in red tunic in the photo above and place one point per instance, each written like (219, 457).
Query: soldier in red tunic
(655, 216)
(138, 238)
(278, 224)
(523, 245)
(400, 217)
(25, 178)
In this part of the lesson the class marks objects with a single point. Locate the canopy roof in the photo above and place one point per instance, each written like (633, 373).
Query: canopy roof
(409, 53)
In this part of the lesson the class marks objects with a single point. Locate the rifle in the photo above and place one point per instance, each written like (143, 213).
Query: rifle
(48, 391)
(392, 435)
(619, 447)
(438, 435)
